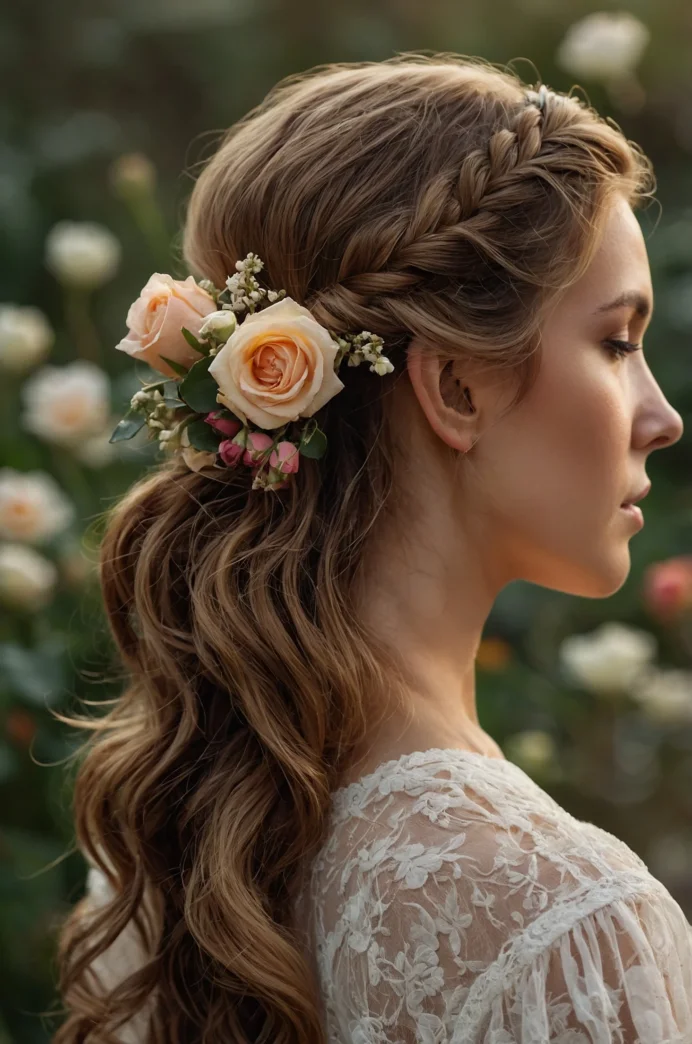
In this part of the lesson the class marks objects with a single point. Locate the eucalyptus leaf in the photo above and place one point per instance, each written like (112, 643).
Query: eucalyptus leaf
(199, 389)
(177, 367)
(199, 346)
(314, 445)
(203, 437)
(128, 426)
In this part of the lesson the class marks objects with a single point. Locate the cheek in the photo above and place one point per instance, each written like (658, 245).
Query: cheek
(564, 450)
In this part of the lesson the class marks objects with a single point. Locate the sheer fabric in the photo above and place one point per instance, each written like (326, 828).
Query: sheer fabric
(455, 902)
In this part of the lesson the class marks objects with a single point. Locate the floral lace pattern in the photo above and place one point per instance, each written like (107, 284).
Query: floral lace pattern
(455, 902)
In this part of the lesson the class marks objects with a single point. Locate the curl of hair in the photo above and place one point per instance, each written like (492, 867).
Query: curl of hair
(420, 196)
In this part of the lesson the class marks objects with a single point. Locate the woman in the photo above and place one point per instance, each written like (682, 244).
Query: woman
(298, 828)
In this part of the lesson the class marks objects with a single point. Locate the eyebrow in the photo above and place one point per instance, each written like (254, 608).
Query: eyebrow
(630, 298)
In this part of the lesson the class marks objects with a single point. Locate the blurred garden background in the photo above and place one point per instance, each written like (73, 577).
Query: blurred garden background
(107, 108)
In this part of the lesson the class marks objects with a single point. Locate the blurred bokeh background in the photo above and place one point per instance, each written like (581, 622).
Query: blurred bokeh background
(107, 107)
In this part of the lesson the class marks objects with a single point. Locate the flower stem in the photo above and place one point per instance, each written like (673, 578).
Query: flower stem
(81, 325)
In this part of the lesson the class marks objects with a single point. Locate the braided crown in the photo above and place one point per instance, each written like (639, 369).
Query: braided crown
(460, 208)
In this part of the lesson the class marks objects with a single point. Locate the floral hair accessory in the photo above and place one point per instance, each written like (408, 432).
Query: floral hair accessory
(245, 371)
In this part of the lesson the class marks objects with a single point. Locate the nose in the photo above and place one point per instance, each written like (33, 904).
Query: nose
(671, 431)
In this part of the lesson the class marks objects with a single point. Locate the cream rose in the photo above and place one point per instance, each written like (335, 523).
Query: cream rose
(277, 366)
(156, 317)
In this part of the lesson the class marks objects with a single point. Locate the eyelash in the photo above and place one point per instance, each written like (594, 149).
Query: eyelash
(621, 348)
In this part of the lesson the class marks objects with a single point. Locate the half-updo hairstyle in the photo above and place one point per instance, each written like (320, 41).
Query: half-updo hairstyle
(434, 197)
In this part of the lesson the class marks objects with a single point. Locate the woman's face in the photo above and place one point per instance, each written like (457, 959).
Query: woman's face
(557, 470)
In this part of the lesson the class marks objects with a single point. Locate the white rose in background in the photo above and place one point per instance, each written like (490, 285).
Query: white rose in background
(26, 337)
(27, 578)
(603, 45)
(33, 508)
(608, 659)
(665, 695)
(82, 254)
(66, 404)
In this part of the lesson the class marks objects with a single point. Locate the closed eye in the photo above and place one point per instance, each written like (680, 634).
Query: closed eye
(619, 348)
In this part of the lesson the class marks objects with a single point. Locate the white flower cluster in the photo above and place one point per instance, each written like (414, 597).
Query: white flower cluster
(365, 347)
(245, 291)
(159, 416)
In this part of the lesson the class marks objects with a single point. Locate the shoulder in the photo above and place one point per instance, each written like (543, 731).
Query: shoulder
(467, 855)
(441, 884)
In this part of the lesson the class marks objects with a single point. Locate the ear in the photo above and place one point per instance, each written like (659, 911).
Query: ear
(445, 399)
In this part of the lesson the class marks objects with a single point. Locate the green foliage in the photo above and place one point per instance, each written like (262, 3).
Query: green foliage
(203, 436)
(199, 389)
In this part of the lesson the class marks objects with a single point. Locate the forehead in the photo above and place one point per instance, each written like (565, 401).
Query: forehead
(621, 261)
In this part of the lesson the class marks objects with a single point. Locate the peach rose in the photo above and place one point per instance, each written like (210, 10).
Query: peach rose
(277, 366)
(156, 317)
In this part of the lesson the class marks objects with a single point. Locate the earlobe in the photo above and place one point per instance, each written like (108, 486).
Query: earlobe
(454, 424)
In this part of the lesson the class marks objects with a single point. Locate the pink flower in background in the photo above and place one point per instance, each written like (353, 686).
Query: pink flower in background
(285, 458)
(667, 587)
(156, 317)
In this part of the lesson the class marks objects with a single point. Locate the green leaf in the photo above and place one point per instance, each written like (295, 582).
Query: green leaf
(313, 445)
(199, 346)
(177, 367)
(128, 426)
(199, 389)
(203, 437)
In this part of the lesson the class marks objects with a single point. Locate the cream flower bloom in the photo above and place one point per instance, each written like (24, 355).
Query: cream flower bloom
(65, 404)
(27, 578)
(608, 659)
(277, 366)
(26, 337)
(82, 254)
(604, 45)
(156, 318)
(33, 508)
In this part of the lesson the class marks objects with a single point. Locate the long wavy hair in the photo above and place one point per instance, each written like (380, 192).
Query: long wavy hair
(417, 197)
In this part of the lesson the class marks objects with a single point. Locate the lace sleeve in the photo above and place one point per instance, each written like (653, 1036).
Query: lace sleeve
(484, 913)
(621, 974)
(120, 959)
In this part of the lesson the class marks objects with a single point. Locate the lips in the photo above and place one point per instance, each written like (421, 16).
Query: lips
(637, 496)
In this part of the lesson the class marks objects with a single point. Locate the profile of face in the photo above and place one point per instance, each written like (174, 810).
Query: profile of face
(542, 499)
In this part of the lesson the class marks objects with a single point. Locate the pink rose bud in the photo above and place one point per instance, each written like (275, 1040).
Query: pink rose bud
(667, 587)
(230, 452)
(225, 425)
(285, 458)
(257, 443)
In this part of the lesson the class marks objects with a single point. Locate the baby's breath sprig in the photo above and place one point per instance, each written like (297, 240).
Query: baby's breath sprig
(243, 292)
(363, 347)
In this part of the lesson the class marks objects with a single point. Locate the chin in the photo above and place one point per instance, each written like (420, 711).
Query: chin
(592, 579)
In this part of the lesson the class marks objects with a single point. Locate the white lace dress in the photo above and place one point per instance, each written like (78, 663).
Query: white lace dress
(455, 902)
